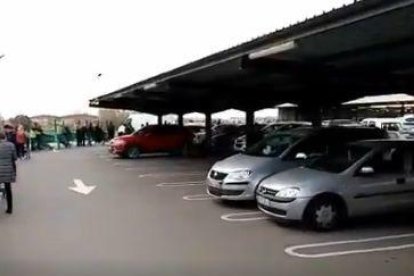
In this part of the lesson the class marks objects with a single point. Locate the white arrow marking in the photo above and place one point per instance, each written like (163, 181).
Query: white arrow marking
(81, 188)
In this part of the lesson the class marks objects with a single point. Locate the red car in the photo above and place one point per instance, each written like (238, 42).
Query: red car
(151, 139)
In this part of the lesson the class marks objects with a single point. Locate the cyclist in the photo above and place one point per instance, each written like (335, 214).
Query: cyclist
(8, 159)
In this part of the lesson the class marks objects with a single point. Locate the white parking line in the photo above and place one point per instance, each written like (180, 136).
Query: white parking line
(244, 216)
(146, 168)
(171, 174)
(292, 249)
(180, 184)
(198, 197)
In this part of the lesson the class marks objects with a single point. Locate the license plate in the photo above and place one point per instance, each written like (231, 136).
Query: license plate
(215, 184)
(263, 201)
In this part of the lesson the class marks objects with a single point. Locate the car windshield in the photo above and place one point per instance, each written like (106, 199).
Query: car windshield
(338, 159)
(274, 145)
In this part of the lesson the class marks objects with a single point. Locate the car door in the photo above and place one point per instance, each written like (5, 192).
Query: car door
(172, 138)
(383, 183)
(154, 139)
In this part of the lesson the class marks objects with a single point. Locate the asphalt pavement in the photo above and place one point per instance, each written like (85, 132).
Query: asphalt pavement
(152, 217)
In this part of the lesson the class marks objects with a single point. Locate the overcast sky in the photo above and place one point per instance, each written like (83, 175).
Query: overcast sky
(54, 50)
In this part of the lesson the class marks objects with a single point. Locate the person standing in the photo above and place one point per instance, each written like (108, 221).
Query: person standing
(10, 134)
(21, 141)
(78, 128)
(90, 134)
(38, 132)
(8, 159)
(111, 130)
(84, 130)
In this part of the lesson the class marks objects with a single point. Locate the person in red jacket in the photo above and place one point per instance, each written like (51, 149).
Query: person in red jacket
(21, 140)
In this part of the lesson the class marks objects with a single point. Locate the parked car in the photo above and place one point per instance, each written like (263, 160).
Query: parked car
(237, 177)
(196, 128)
(240, 142)
(223, 140)
(394, 126)
(150, 139)
(217, 130)
(340, 122)
(364, 178)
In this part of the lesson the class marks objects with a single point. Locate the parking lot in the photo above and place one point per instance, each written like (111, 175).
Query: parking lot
(152, 216)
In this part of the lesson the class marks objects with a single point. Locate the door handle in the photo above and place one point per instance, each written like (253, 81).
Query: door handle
(400, 181)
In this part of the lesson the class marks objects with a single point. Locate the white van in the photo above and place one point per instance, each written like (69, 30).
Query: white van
(394, 126)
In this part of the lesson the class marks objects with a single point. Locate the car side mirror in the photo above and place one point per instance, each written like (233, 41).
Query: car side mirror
(366, 171)
(301, 156)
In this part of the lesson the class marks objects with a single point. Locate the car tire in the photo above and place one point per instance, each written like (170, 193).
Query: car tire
(185, 150)
(133, 153)
(324, 214)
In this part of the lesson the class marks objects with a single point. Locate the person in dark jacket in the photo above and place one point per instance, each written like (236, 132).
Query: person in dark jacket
(84, 130)
(8, 159)
(78, 134)
(10, 134)
(90, 134)
(111, 130)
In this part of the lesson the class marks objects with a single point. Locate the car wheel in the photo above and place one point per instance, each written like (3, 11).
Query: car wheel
(323, 214)
(185, 150)
(133, 153)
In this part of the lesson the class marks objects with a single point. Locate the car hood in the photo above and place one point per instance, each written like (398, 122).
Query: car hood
(303, 178)
(124, 137)
(243, 161)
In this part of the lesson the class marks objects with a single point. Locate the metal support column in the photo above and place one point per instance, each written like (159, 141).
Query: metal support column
(209, 133)
(249, 127)
(181, 119)
(159, 117)
(402, 110)
(312, 112)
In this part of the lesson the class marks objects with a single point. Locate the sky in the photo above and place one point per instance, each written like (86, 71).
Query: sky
(54, 50)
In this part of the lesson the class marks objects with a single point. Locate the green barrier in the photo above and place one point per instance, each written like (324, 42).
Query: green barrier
(50, 137)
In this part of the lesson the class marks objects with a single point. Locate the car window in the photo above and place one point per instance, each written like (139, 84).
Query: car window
(390, 126)
(314, 146)
(274, 145)
(338, 158)
(388, 161)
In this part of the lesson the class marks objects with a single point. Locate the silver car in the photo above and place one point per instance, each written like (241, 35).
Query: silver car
(237, 177)
(364, 178)
(240, 142)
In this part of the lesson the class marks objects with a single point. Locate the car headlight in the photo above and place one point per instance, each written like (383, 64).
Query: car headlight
(288, 194)
(238, 176)
(119, 143)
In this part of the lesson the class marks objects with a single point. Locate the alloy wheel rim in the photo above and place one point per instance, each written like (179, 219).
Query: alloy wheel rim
(325, 216)
(134, 153)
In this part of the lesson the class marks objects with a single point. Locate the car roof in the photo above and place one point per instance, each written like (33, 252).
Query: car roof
(378, 143)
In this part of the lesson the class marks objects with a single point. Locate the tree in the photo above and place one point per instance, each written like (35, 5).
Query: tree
(2, 121)
(117, 117)
(23, 120)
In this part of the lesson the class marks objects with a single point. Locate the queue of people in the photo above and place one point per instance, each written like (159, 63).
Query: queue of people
(88, 133)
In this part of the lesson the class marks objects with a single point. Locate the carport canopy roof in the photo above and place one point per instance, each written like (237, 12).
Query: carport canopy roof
(361, 49)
